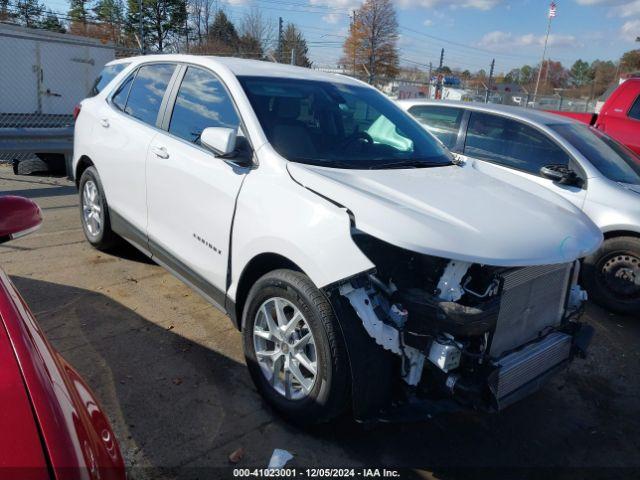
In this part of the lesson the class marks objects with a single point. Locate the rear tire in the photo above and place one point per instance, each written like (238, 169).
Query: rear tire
(94, 212)
(612, 275)
(327, 389)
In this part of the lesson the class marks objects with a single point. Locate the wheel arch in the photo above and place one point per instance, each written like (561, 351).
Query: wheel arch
(620, 233)
(84, 162)
(258, 266)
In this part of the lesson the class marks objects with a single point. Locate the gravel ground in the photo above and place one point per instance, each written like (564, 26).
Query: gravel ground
(168, 369)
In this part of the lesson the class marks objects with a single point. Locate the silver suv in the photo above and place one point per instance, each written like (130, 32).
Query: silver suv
(584, 165)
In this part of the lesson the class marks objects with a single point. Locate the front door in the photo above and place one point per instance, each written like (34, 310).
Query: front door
(191, 193)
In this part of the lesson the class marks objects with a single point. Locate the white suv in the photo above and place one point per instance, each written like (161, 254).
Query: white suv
(363, 266)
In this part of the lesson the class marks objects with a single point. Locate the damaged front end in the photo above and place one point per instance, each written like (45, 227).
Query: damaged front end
(461, 334)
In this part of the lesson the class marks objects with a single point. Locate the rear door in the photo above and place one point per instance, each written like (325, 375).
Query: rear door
(191, 193)
(502, 145)
(126, 125)
(442, 122)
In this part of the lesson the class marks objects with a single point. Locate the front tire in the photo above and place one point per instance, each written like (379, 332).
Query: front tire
(612, 275)
(294, 348)
(94, 211)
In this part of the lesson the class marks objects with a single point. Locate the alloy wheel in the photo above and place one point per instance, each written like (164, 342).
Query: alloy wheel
(285, 348)
(92, 213)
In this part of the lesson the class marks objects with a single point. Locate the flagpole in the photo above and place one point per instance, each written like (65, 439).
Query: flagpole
(544, 53)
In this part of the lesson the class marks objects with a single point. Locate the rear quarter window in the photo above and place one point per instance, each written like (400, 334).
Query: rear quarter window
(108, 73)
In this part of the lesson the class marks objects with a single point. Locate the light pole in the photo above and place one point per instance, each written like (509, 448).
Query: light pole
(552, 13)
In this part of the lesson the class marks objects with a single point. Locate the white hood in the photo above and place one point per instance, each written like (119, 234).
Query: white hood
(458, 213)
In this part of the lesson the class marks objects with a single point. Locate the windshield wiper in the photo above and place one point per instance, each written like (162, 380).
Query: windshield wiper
(410, 164)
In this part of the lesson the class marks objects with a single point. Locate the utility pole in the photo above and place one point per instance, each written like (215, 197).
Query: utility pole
(552, 13)
(280, 38)
(430, 75)
(293, 56)
(441, 60)
(490, 81)
(141, 27)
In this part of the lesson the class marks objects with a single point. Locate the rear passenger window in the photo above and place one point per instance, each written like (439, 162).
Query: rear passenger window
(511, 143)
(202, 102)
(443, 122)
(635, 109)
(147, 91)
(107, 74)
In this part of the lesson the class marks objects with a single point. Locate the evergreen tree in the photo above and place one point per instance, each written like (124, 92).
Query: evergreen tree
(162, 21)
(51, 22)
(78, 11)
(293, 40)
(580, 73)
(78, 14)
(222, 32)
(28, 12)
(5, 13)
(111, 15)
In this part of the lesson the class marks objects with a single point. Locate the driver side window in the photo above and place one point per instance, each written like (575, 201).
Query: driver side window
(511, 143)
(202, 102)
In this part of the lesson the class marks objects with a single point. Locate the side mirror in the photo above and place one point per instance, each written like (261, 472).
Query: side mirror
(220, 140)
(18, 217)
(561, 174)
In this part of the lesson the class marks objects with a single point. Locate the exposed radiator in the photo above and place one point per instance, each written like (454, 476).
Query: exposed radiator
(518, 368)
(533, 298)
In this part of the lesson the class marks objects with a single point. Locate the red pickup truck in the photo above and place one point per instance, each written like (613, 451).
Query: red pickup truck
(619, 117)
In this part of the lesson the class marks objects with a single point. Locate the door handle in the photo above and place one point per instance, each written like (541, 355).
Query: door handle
(104, 122)
(160, 152)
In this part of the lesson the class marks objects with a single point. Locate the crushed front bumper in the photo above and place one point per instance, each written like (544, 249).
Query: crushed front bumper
(503, 382)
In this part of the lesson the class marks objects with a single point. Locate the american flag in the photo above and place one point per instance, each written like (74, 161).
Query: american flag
(552, 10)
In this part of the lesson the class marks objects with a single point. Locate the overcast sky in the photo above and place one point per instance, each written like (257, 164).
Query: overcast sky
(471, 31)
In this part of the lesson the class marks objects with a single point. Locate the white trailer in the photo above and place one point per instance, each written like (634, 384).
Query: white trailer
(47, 73)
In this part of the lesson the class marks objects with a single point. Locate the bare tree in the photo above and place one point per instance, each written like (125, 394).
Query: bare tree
(258, 30)
(209, 10)
(194, 11)
(200, 15)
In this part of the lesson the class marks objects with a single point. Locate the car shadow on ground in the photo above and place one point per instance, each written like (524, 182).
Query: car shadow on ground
(179, 408)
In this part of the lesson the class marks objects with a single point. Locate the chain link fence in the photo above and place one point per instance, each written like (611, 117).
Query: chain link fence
(44, 75)
(402, 89)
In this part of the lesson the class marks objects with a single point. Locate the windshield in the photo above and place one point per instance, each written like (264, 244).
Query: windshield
(612, 159)
(337, 125)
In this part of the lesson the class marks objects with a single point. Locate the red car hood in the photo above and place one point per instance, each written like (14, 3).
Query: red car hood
(47, 406)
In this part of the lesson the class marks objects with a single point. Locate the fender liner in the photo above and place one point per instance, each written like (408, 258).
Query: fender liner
(373, 369)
